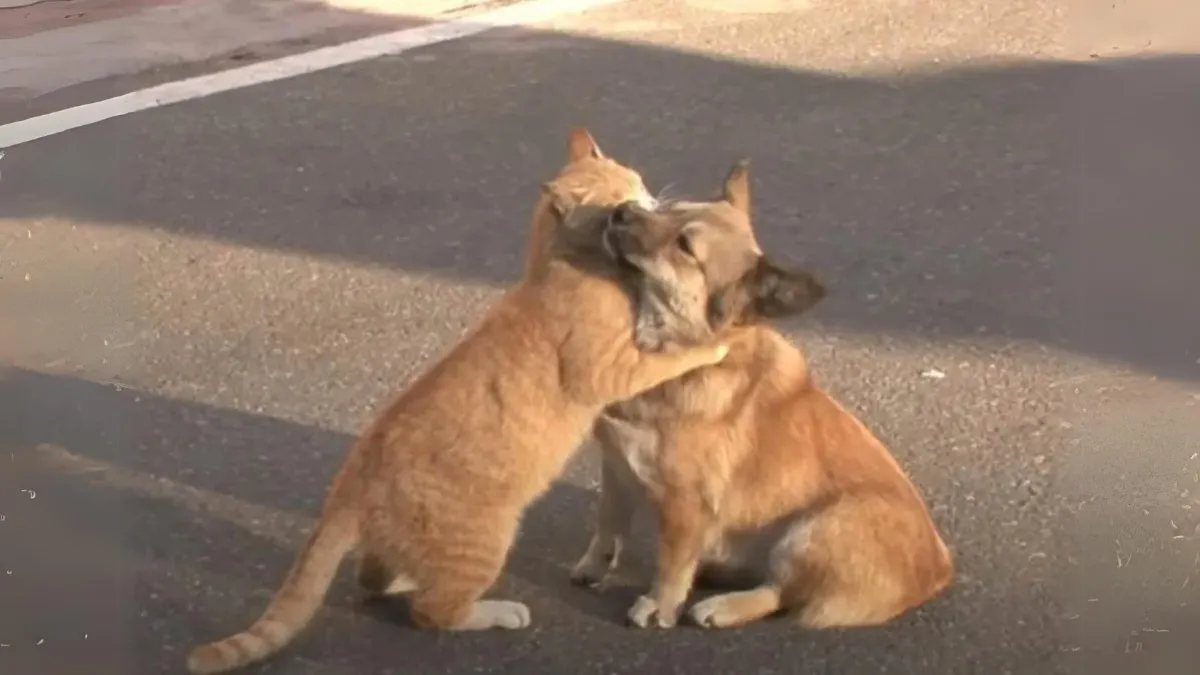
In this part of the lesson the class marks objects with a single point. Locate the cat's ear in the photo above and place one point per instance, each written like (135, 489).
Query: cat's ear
(581, 145)
(560, 200)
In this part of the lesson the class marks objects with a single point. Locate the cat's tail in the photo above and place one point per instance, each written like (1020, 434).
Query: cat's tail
(294, 603)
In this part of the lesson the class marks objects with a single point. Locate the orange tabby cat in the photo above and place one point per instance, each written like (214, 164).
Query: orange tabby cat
(433, 491)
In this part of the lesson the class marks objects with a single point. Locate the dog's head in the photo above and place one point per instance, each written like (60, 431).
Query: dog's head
(700, 268)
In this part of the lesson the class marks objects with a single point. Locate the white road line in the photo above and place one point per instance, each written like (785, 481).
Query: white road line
(57, 122)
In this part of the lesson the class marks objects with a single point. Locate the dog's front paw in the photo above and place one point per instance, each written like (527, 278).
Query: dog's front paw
(648, 612)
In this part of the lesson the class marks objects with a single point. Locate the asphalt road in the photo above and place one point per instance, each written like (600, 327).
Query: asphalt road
(202, 304)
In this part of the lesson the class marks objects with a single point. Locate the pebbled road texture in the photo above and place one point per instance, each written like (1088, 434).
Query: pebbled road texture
(203, 303)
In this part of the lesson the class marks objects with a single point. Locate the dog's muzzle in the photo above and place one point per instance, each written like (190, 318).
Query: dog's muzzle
(611, 241)
(624, 234)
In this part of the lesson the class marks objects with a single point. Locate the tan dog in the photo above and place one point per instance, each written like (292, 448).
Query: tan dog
(759, 477)
(433, 491)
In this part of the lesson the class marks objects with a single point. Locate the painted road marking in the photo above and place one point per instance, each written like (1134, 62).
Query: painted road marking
(387, 44)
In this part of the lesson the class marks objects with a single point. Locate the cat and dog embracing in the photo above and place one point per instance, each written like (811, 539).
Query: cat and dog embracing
(645, 325)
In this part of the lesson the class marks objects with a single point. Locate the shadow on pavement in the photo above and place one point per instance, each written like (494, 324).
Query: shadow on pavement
(225, 496)
(1044, 201)
(153, 516)
(55, 58)
(1049, 202)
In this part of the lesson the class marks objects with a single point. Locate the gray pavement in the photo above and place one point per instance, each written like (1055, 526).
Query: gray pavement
(203, 303)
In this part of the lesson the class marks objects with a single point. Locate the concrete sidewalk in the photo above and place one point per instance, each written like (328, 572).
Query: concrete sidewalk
(46, 45)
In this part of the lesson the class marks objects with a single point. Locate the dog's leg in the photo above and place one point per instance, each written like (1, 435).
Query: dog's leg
(735, 609)
(683, 532)
(614, 517)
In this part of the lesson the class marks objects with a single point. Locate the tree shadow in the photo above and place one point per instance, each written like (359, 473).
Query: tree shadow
(1041, 201)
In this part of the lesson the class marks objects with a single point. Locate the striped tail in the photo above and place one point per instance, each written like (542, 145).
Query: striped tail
(293, 605)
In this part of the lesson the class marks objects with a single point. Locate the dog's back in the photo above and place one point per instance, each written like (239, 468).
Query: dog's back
(805, 497)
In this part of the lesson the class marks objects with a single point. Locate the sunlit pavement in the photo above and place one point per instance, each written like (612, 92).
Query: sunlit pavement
(204, 302)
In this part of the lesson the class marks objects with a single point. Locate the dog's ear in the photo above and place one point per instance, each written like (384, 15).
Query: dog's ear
(766, 291)
(581, 145)
(561, 201)
(777, 292)
(736, 189)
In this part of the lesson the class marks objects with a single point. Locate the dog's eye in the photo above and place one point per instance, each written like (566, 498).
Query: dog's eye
(625, 214)
(685, 244)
